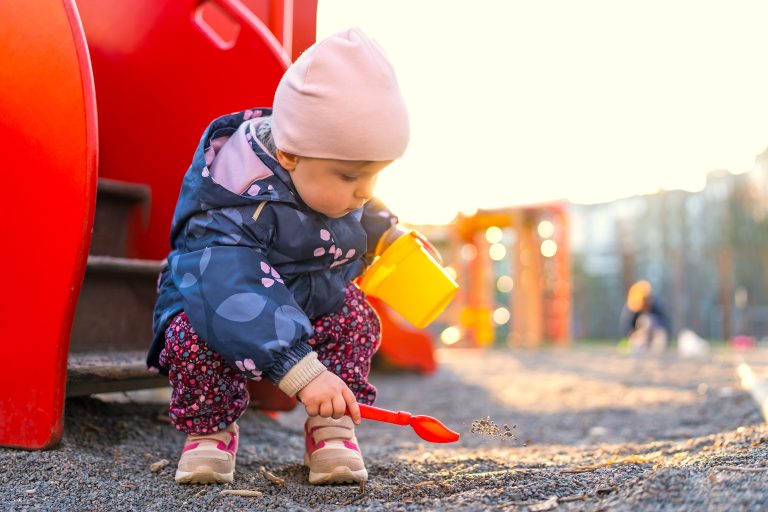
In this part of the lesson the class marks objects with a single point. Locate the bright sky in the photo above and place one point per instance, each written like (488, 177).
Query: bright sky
(517, 102)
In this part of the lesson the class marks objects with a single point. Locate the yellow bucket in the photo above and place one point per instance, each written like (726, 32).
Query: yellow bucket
(409, 280)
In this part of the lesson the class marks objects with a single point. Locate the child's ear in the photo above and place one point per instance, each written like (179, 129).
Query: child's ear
(287, 160)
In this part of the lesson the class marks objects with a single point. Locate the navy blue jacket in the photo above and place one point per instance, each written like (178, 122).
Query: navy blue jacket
(250, 263)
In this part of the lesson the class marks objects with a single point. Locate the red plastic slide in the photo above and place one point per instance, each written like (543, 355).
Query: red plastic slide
(48, 129)
(403, 346)
(163, 70)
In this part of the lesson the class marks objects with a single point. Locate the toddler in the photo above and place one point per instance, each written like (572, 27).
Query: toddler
(274, 221)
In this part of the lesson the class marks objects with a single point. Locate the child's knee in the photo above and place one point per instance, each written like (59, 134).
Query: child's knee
(179, 336)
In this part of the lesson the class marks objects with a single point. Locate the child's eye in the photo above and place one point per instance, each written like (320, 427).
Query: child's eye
(346, 177)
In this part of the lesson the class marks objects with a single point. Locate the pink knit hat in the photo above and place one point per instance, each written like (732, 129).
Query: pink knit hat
(340, 100)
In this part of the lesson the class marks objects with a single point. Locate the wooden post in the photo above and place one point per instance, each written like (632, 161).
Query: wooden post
(725, 287)
(527, 326)
(559, 314)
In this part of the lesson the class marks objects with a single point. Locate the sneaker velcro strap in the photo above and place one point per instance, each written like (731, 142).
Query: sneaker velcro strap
(224, 436)
(332, 432)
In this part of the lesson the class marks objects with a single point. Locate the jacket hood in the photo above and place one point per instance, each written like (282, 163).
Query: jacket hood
(217, 177)
(236, 160)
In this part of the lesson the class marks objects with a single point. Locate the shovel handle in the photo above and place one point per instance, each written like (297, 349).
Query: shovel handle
(370, 412)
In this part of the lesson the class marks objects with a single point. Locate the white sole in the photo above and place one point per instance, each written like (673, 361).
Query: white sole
(339, 475)
(203, 475)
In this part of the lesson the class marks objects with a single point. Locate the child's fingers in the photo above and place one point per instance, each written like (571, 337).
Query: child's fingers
(352, 407)
(326, 409)
(339, 407)
(312, 409)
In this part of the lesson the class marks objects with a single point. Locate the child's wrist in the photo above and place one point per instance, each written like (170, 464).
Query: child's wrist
(301, 374)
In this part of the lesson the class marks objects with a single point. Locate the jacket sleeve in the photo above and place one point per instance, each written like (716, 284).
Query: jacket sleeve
(657, 308)
(376, 219)
(236, 301)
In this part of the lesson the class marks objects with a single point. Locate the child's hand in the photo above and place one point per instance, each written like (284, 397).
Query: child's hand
(328, 396)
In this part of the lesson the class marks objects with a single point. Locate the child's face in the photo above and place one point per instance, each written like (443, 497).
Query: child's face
(332, 187)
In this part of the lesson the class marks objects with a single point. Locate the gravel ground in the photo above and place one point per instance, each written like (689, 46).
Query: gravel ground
(593, 430)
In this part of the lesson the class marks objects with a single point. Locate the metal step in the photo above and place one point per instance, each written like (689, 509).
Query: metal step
(101, 372)
(112, 327)
(119, 209)
(114, 312)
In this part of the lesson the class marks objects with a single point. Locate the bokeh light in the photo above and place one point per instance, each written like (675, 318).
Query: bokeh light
(450, 335)
(505, 284)
(546, 229)
(500, 316)
(468, 252)
(497, 252)
(548, 248)
(493, 234)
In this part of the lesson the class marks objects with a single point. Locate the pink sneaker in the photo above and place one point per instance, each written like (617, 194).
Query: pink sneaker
(332, 452)
(209, 458)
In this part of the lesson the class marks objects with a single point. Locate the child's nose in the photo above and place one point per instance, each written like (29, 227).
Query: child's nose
(365, 190)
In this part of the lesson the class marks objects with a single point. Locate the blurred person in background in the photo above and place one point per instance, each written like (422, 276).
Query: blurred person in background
(644, 321)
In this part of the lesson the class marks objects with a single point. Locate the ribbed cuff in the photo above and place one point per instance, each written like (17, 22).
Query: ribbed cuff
(286, 360)
(301, 374)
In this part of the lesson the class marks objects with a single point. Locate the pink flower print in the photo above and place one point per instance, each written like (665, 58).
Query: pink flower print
(267, 282)
(256, 375)
(338, 253)
(339, 262)
(249, 364)
(265, 267)
(255, 189)
(350, 253)
(325, 235)
(240, 367)
(248, 114)
(274, 273)
(319, 251)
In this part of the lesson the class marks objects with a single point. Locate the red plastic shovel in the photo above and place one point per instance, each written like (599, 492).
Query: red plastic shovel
(426, 427)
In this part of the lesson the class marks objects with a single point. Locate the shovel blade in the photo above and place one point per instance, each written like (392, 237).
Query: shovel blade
(432, 430)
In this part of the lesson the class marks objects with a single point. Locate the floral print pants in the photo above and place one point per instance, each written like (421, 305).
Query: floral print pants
(209, 393)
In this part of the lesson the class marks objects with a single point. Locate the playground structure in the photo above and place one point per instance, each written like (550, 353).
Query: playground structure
(103, 104)
(513, 268)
